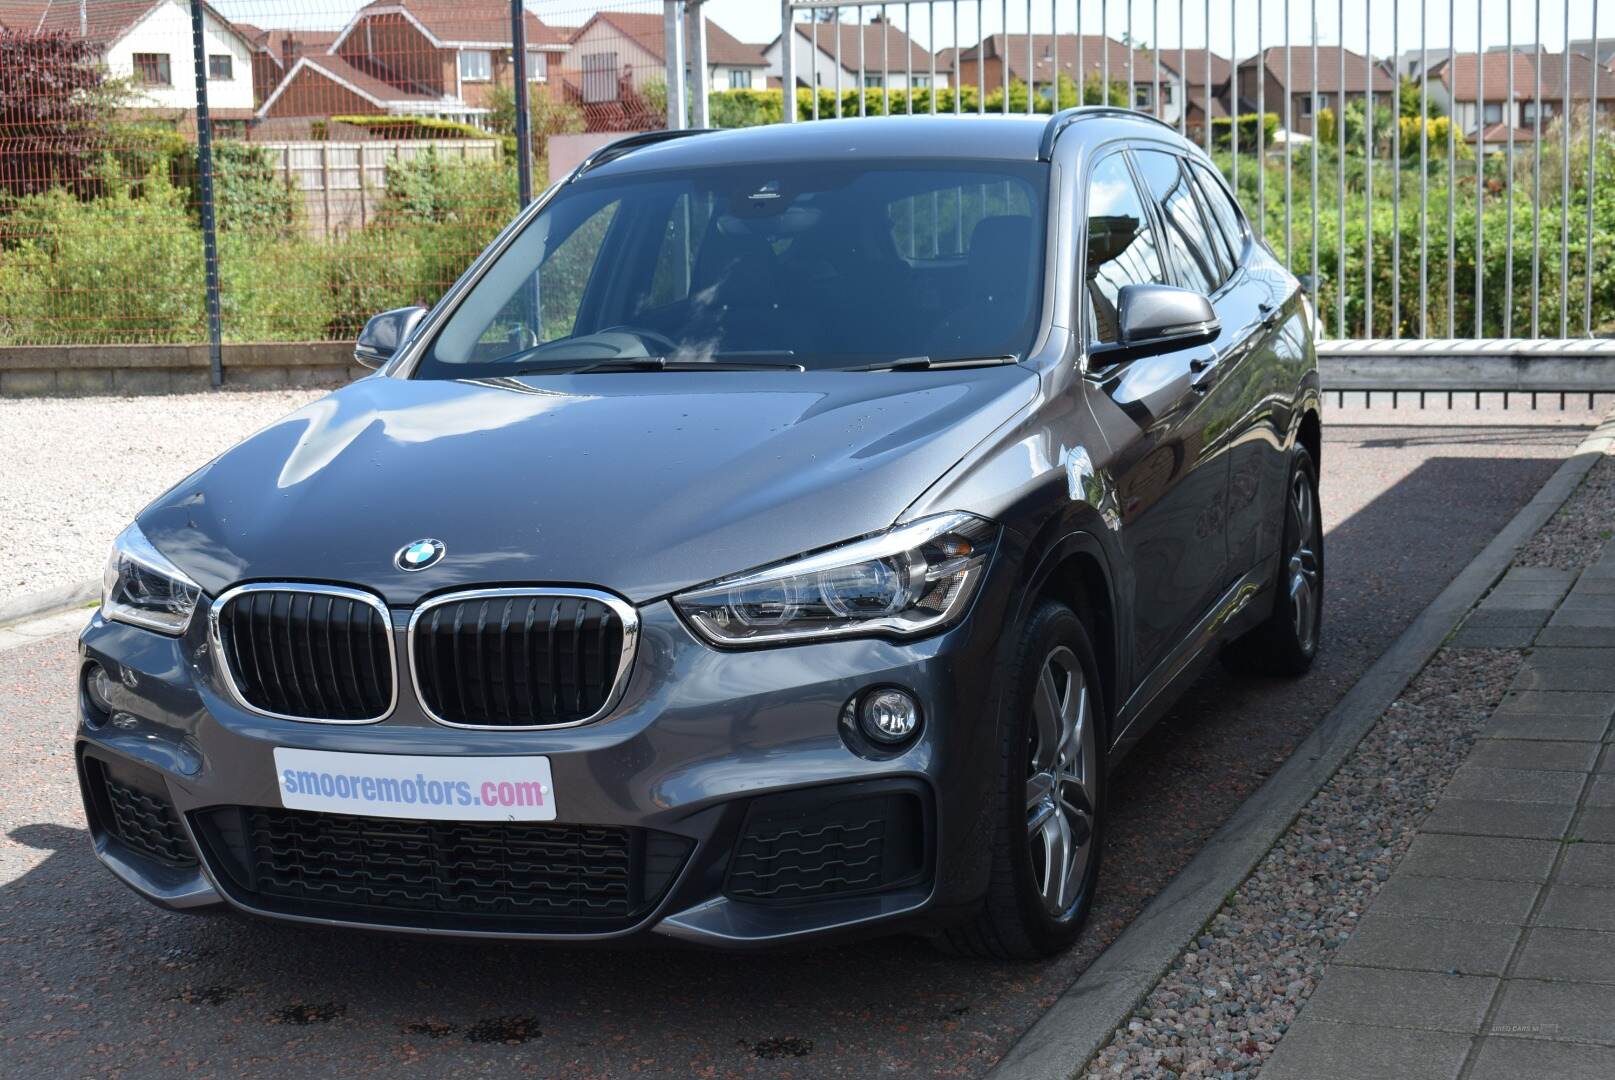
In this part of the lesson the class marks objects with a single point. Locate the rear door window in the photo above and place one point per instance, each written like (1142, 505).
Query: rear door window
(1121, 246)
(1187, 242)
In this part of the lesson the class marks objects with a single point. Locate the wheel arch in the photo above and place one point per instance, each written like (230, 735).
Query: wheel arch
(1310, 435)
(1075, 571)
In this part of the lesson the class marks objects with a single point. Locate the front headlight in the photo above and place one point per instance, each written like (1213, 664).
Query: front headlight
(142, 587)
(907, 581)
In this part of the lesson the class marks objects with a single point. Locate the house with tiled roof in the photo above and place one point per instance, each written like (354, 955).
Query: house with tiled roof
(437, 58)
(1474, 90)
(1037, 59)
(1293, 79)
(617, 48)
(883, 54)
(1201, 95)
(274, 51)
(149, 43)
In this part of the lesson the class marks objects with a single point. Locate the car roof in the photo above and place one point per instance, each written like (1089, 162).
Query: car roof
(1004, 138)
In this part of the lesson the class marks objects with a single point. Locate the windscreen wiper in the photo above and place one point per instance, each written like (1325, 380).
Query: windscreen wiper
(719, 362)
(927, 363)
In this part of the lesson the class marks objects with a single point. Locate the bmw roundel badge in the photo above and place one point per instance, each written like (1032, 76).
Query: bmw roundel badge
(419, 555)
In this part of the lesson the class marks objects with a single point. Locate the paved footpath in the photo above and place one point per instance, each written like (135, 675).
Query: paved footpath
(1490, 951)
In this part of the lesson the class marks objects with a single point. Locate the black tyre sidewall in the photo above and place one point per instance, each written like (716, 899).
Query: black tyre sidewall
(1301, 462)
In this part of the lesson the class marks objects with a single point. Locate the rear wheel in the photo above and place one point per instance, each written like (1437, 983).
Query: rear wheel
(1287, 642)
(1050, 805)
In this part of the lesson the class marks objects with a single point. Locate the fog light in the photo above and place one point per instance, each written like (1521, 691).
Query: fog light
(889, 716)
(98, 687)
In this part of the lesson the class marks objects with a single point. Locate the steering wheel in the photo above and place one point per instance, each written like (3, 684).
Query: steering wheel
(665, 344)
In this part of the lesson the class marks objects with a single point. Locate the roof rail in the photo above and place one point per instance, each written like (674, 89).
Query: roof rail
(614, 150)
(1066, 117)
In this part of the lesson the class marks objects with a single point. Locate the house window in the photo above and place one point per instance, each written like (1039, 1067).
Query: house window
(874, 82)
(476, 65)
(1307, 101)
(740, 78)
(1494, 112)
(538, 66)
(219, 67)
(1166, 93)
(1528, 112)
(921, 82)
(152, 69)
(1141, 97)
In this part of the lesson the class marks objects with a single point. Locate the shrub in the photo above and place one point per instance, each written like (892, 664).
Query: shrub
(373, 270)
(273, 287)
(55, 104)
(126, 267)
(246, 192)
(409, 127)
(1222, 128)
(547, 115)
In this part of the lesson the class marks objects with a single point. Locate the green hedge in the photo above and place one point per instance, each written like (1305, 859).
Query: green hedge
(1222, 128)
(409, 127)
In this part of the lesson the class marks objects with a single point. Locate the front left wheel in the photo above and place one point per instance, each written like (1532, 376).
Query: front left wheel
(1050, 806)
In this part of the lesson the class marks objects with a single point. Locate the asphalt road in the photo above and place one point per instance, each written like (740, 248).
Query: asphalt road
(93, 981)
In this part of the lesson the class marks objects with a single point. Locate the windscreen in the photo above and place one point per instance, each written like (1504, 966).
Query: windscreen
(822, 265)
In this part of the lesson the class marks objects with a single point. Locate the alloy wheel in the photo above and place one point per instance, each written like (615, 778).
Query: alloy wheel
(1304, 573)
(1061, 781)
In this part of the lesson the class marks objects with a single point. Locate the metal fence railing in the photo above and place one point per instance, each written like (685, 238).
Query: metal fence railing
(1398, 154)
(258, 170)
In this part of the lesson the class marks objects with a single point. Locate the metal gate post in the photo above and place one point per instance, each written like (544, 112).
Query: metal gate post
(518, 73)
(673, 28)
(204, 169)
(696, 25)
(787, 59)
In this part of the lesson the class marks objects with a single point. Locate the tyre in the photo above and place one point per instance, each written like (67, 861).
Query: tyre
(1049, 811)
(1287, 642)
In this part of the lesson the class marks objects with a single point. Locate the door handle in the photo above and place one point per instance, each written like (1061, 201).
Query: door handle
(1201, 363)
(1271, 313)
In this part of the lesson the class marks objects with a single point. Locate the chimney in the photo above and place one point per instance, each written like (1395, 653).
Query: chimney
(288, 51)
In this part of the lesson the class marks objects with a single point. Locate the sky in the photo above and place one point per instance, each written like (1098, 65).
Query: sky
(1237, 26)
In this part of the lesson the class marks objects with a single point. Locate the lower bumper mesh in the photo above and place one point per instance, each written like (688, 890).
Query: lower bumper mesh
(441, 874)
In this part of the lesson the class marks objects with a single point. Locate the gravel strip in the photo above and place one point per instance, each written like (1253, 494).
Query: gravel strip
(78, 469)
(1575, 535)
(1229, 998)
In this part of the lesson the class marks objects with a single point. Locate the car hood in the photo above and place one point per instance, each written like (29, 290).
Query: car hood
(641, 483)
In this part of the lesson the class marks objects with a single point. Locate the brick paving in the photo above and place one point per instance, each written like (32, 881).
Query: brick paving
(1490, 951)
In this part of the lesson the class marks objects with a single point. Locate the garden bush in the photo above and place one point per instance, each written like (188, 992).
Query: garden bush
(125, 267)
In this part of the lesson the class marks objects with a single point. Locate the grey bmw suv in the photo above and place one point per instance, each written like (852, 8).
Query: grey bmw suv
(776, 534)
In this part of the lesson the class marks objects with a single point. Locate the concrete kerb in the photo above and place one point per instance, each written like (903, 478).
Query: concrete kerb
(49, 601)
(1082, 1019)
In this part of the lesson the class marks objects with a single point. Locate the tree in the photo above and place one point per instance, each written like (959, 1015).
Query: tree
(55, 104)
(1410, 100)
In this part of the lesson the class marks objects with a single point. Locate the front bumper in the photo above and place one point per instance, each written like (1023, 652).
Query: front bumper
(705, 749)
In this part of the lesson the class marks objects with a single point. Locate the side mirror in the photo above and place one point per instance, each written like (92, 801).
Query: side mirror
(1161, 318)
(384, 333)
